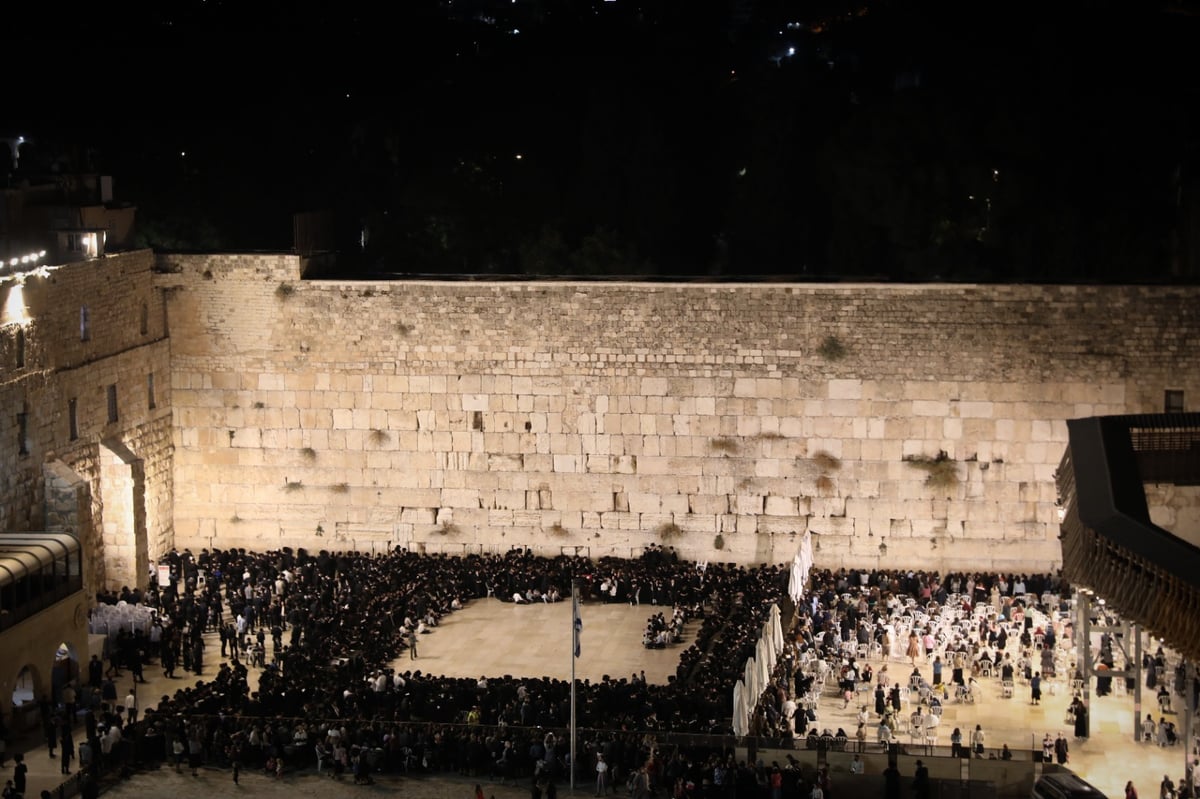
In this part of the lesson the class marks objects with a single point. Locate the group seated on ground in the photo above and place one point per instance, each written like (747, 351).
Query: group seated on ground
(660, 633)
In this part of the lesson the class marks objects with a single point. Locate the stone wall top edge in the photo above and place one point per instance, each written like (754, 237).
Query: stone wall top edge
(910, 288)
(109, 260)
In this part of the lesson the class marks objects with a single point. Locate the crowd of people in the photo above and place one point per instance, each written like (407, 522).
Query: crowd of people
(328, 629)
(954, 631)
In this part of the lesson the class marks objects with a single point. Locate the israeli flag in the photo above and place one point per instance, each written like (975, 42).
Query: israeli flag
(578, 624)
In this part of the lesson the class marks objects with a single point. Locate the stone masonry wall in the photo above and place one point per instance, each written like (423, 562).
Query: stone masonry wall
(722, 419)
(125, 342)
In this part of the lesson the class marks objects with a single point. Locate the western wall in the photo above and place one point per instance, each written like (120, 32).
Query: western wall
(600, 418)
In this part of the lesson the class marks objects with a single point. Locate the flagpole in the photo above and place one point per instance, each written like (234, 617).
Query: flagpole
(574, 657)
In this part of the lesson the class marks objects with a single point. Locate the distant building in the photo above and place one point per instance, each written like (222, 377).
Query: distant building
(58, 218)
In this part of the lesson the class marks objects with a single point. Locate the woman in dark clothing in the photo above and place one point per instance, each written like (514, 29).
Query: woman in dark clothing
(880, 700)
(1081, 721)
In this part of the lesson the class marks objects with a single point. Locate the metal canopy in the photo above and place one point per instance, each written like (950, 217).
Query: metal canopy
(24, 554)
(1109, 543)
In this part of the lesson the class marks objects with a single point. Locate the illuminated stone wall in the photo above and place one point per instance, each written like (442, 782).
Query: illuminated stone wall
(481, 416)
(124, 343)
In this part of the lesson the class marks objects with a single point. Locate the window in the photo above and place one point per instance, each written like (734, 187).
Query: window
(150, 391)
(73, 418)
(23, 432)
(75, 242)
(20, 347)
(146, 321)
(1173, 401)
(112, 403)
(85, 324)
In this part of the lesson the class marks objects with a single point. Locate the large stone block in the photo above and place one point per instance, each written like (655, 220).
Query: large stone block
(644, 503)
(708, 504)
(675, 504)
(845, 389)
(781, 506)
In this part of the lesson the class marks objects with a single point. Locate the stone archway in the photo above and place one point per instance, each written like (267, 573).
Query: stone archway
(27, 689)
(123, 527)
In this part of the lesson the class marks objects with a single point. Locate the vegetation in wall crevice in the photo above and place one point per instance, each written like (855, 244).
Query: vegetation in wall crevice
(724, 445)
(832, 349)
(941, 470)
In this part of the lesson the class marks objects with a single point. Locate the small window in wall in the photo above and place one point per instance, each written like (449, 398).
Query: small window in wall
(73, 418)
(85, 324)
(1173, 401)
(23, 432)
(20, 347)
(150, 391)
(112, 403)
(145, 320)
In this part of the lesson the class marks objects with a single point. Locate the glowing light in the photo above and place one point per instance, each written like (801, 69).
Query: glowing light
(14, 307)
(14, 262)
(519, 156)
(791, 51)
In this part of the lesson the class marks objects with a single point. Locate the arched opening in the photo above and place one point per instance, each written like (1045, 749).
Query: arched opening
(26, 711)
(64, 669)
(123, 526)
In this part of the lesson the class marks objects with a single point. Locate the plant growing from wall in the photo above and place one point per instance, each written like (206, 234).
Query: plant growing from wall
(447, 529)
(669, 530)
(832, 349)
(292, 486)
(309, 454)
(379, 437)
(340, 488)
(941, 470)
(403, 329)
(259, 405)
(285, 291)
(557, 529)
(719, 541)
(825, 461)
(726, 446)
(320, 530)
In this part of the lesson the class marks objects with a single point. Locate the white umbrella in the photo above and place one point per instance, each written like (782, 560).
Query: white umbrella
(741, 719)
(751, 678)
(777, 628)
(768, 642)
(763, 678)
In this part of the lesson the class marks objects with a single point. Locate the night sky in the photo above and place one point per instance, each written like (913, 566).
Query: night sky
(673, 138)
